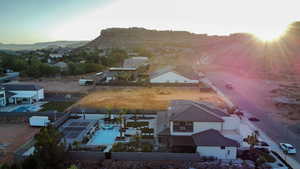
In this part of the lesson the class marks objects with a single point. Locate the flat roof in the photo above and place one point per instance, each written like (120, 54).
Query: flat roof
(24, 95)
(122, 69)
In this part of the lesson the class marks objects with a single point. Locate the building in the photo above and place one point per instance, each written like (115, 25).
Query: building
(113, 73)
(135, 62)
(62, 66)
(75, 130)
(55, 55)
(178, 74)
(23, 93)
(2, 97)
(9, 76)
(201, 128)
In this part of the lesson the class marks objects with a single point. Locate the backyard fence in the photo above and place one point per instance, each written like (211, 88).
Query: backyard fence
(113, 111)
(133, 156)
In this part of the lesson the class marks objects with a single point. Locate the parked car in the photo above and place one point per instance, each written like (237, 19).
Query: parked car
(287, 148)
(229, 86)
(263, 145)
(253, 119)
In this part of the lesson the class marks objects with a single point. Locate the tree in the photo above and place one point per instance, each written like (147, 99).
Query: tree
(73, 167)
(50, 151)
(252, 140)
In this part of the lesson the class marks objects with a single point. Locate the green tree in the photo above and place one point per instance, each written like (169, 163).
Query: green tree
(73, 167)
(50, 151)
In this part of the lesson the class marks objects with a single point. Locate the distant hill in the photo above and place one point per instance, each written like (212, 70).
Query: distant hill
(41, 45)
(240, 50)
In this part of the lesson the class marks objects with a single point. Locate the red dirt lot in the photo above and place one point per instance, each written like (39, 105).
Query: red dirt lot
(13, 136)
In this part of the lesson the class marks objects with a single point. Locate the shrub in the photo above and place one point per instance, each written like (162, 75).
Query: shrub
(147, 148)
(137, 124)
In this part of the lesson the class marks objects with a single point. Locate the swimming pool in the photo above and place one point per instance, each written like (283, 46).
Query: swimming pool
(104, 137)
(27, 108)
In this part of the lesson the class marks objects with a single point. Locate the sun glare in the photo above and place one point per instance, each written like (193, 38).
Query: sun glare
(271, 35)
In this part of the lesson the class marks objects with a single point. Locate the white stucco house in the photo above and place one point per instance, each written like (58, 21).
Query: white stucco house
(178, 74)
(2, 97)
(136, 62)
(23, 93)
(55, 55)
(201, 128)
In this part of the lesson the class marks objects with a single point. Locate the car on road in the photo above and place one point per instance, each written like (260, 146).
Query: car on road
(253, 119)
(287, 148)
(229, 86)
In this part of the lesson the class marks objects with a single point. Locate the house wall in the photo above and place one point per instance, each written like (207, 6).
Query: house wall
(172, 77)
(38, 94)
(2, 99)
(197, 127)
(216, 151)
(231, 123)
(41, 95)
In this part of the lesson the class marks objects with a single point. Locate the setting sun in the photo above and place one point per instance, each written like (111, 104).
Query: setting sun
(270, 35)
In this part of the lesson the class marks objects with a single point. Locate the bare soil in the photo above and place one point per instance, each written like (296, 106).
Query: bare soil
(145, 98)
(14, 135)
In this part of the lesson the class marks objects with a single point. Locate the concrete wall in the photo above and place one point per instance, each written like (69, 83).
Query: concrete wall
(172, 77)
(198, 127)
(227, 153)
(231, 123)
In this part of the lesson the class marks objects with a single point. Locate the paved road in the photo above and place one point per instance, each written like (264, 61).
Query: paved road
(253, 96)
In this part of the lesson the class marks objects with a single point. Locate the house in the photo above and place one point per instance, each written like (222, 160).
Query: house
(23, 93)
(2, 97)
(201, 128)
(62, 66)
(135, 62)
(9, 76)
(178, 74)
(114, 72)
(55, 55)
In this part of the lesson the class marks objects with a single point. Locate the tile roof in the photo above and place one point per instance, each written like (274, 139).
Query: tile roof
(178, 104)
(213, 137)
(181, 70)
(196, 114)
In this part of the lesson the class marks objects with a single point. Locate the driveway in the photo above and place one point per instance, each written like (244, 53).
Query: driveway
(253, 96)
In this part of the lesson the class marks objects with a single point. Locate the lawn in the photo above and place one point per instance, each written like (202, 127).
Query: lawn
(58, 106)
(155, 98)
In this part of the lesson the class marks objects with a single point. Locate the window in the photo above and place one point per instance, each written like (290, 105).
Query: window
(182, 126)
(222, 147)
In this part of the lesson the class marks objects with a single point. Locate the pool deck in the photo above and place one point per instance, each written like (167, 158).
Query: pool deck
(10, 108)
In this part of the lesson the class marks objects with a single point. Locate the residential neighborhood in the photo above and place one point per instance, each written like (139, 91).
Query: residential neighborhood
(154, 84)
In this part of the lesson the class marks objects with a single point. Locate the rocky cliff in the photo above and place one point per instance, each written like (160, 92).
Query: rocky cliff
(240, 50)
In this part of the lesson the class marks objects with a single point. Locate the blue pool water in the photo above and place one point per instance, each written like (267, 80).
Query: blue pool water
(104, 137)
(28, 108)
(21, 109)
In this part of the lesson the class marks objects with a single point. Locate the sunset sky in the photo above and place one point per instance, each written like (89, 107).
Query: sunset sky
(29, 21)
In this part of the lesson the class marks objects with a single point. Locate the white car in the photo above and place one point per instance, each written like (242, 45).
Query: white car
(287, 148)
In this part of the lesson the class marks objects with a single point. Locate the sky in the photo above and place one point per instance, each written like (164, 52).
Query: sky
(30, 21)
